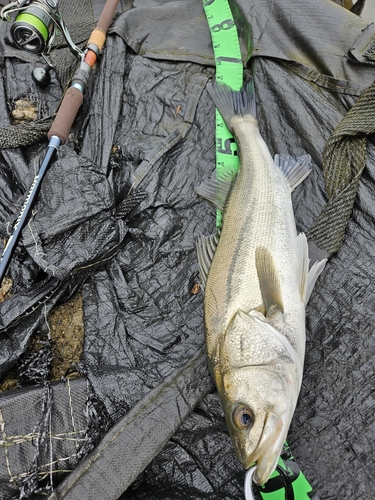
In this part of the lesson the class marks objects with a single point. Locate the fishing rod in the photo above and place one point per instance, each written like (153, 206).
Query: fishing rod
(70, 104)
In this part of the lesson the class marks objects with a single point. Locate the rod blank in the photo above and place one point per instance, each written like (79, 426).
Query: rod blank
(27, 206)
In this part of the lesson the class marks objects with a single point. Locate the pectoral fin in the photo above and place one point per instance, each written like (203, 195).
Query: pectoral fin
(268, 280)
(302, 265)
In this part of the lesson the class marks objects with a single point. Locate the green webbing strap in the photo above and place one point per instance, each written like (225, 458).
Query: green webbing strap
(344, 159)
(229, 70)
(287, 482)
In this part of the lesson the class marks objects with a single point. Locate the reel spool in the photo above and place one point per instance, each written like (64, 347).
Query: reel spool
(33, 30)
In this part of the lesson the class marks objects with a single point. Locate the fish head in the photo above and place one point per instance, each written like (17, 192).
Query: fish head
(259, 387)
(258, 423)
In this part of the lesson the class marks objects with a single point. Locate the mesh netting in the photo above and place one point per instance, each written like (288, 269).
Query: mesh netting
(24, 134)
(147, 122)
(79, 19)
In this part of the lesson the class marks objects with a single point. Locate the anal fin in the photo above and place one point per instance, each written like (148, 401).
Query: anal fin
(206, 248)
(216, 189)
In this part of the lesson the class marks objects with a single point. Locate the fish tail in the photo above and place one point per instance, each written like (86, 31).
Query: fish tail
(231, 103)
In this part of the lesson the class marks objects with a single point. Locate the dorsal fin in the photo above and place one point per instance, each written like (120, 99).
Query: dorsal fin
(306, 278)
(302, 265)
(314, 274)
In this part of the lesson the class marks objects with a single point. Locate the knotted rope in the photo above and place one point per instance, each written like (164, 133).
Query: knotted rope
(344, 159)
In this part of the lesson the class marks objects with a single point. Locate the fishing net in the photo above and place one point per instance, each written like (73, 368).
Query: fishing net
(79, 18)
(116, 220)
(23, 135)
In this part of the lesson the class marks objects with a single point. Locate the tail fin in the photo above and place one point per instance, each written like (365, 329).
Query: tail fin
(232, 103)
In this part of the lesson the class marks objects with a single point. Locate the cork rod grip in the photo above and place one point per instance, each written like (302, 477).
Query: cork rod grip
(98, 38)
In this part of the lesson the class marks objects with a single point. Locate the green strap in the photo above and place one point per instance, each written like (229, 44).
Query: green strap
(276, 489)
(229, 70)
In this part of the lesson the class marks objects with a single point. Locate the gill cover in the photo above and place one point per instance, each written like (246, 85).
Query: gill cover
(252, 341)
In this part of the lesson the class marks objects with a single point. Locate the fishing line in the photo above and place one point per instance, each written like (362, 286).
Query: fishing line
(289, 493)
(34, 29)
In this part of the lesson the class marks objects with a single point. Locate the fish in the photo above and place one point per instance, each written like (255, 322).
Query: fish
(256, 280)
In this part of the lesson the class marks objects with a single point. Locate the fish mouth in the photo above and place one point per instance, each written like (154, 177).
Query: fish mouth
(269, 449)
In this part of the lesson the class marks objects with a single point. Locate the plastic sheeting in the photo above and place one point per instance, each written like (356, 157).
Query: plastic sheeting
(119, 223)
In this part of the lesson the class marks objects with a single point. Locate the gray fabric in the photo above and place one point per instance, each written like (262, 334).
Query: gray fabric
(101, 474)
(34, 442)
(298, 32)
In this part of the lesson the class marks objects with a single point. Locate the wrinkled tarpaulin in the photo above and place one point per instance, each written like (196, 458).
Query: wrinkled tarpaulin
(311, 61)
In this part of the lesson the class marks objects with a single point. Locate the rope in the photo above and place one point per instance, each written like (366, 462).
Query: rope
(344, 159)
(24, 134)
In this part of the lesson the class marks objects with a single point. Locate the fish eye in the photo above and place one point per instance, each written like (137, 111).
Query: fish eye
(243, 417)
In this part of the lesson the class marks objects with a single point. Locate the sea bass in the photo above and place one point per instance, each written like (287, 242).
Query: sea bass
(256, 282)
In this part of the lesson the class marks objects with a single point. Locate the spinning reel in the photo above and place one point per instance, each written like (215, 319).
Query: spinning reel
(34, 29)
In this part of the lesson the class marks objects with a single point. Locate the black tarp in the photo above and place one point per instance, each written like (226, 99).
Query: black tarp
(117, 219)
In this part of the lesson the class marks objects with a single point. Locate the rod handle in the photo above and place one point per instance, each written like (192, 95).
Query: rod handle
(66, 114)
